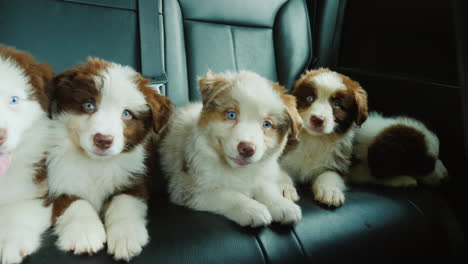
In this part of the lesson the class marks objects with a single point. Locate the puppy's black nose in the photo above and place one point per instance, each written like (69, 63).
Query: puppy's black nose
(3, 135)
(103, 141)
(317, 121)
(246, 149)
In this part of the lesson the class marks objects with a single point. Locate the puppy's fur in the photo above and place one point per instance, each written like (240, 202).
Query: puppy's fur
(396, 152)
(23, 144)
(201, 153)
(103, 120)
(331, 106)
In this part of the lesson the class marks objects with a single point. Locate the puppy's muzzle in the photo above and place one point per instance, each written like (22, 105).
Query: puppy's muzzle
(103, 142)
(246, 149)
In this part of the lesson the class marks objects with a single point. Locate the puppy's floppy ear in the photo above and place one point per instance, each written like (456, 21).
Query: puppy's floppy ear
(41, 76)
(162, 107)
(211, 85)
(360, 96)
(291, 109)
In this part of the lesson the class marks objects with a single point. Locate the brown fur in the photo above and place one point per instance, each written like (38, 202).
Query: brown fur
(41, 172)
(360, 98)
(39, 74)
(161, 106)
(76, 86)
(211, 86)
(60, 204)
(399, 150)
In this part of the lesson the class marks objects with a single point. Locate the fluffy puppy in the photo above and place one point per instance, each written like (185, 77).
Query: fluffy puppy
(331, 106)
(23, 145)
(103, 117)
(222, 156)
(396, 152)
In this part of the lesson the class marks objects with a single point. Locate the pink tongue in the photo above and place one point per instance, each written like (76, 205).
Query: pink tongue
(4, 162)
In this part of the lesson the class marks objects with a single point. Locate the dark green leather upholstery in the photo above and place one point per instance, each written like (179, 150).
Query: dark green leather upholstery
(273, 38)
(269, 37)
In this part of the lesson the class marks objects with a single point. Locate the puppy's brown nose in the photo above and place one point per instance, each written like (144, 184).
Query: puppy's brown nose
(3, 135)
(103, 141)
(317, 121)
(246, 149)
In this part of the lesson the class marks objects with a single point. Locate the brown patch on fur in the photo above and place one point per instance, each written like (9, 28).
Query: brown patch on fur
(360, 98)
(346, 114)
(39, 74)
(76, 86)
(211, 86)
(139, 189)
(161, 107)
(60, 204)
(41, 172)
(304, 88)
(217, 109)
(399, 150)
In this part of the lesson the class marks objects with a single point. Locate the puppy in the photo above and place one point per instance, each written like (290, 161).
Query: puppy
(331, 106)
(396, 152)
(23, 144)
(103, 119)
(221, 155)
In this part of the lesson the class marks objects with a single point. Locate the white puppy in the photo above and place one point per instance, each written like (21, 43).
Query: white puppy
(396, 152)
(221, 156)
(332, 106)
(23, 144)
(104, 117)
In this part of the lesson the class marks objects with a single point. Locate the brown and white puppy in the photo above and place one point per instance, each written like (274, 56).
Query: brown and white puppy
(221, 156)
(331, 106)
(396, 152)
(23, 144)
(104, 117)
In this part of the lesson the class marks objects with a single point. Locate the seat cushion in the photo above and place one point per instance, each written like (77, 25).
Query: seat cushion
(374, 226)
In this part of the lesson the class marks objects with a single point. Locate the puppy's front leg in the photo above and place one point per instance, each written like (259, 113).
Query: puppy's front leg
(125, 221)
(287, 186)
(283, 210)
(233, 205)
(328, 189)
(77, 225)
(21, 226)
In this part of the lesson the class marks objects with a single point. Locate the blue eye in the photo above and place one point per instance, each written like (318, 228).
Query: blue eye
(310, 98)
(88, 107)
(126, 114)
(267, 124)
(231, 115)
(14, 100)
(336, 104)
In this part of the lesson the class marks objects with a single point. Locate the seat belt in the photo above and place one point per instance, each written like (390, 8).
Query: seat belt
(151, 43)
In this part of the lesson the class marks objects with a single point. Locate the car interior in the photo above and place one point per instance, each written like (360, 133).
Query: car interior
(410, 56)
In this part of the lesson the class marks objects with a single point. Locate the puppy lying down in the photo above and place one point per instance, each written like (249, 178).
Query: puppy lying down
(396, 152)
(221, 155)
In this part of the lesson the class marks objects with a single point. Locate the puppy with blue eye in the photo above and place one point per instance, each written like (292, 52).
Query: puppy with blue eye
(104, 118)
(221, 156)
(332, 106)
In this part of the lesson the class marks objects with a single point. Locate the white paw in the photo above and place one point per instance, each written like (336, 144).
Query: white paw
(285, 212)
(328, 195)
(402, 182)
(436, 176)
(252, 214)
(290, 192)
(81, 235)
(126, 240)
(17, 244)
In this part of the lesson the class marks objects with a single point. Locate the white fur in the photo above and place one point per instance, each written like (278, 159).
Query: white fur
(374, 125)
(126, 227)
(79, 229)
(23, 218)
(77, 168)
(249, 195)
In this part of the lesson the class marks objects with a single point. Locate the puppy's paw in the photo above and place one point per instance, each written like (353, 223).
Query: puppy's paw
(285, 212)
(290, 192)
(253, 214)
(328, 195)
(16, 244)
(401, 182)
(81, 235)
(126, 240)
(439, 174)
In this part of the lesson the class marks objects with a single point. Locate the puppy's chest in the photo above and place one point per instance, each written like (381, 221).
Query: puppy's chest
(312, 157)
(91, 180)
